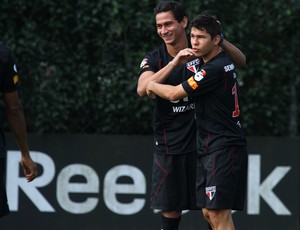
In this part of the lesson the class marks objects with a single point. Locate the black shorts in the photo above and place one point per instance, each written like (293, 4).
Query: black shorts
(4, 210)
(222, 179)
(174, 182)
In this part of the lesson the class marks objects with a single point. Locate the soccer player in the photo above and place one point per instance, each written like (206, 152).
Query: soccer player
(222, 147)
(9, 83)
(175, 157)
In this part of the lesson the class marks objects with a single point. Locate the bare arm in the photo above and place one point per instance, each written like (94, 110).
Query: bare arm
(181, 58)
(235, 54)
(168, 92)
(148, 76)
(17, 124)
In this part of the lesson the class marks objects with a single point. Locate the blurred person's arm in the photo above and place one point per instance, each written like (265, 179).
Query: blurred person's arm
(15, 117)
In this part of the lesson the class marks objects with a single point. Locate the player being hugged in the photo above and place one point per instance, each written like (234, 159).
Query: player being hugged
(221, 142)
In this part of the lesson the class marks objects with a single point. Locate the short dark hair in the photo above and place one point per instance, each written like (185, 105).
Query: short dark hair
(176, 8)
(208, 22)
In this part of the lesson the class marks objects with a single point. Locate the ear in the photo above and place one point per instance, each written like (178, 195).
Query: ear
(184, 22)
(217, 39)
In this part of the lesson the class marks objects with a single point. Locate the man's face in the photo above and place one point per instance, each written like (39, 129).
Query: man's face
(201, 42)
(168, 28)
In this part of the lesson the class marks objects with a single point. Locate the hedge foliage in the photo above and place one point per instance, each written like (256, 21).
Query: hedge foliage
(79, 62)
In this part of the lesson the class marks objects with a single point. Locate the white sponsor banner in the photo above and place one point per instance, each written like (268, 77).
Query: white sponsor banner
(92, 180)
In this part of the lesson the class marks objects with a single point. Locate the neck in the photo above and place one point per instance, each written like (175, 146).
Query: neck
(212, 54)
(173, 49)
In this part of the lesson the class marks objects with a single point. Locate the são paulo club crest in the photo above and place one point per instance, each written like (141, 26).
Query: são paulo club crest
(193, 65)
(210, 192)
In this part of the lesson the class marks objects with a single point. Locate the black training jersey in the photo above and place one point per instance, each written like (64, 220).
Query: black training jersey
(215, 89)
(173, 121)
(9, 82)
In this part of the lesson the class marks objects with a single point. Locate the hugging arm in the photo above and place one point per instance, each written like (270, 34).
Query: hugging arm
(236, 55)
(148, 76)
(168, 92)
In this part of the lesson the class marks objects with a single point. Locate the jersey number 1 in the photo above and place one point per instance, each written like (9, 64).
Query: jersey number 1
(236, 112)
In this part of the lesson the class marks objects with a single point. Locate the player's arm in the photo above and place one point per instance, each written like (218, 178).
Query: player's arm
(236, 55)
(15, 117)
(148, 76)
(168, 92)
(181, 58)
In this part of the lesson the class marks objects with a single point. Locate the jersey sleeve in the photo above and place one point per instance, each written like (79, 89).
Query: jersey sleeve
(9, 77)
(203, 81)
(149, 63)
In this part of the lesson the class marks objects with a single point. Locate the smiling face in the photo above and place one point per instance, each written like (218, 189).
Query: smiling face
(168, 28)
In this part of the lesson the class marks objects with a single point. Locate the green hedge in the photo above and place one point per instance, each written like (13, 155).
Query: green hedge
(79, 62)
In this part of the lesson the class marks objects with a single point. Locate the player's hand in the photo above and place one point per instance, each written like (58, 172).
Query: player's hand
(29, 168)
(183, 57)
(149, 92)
